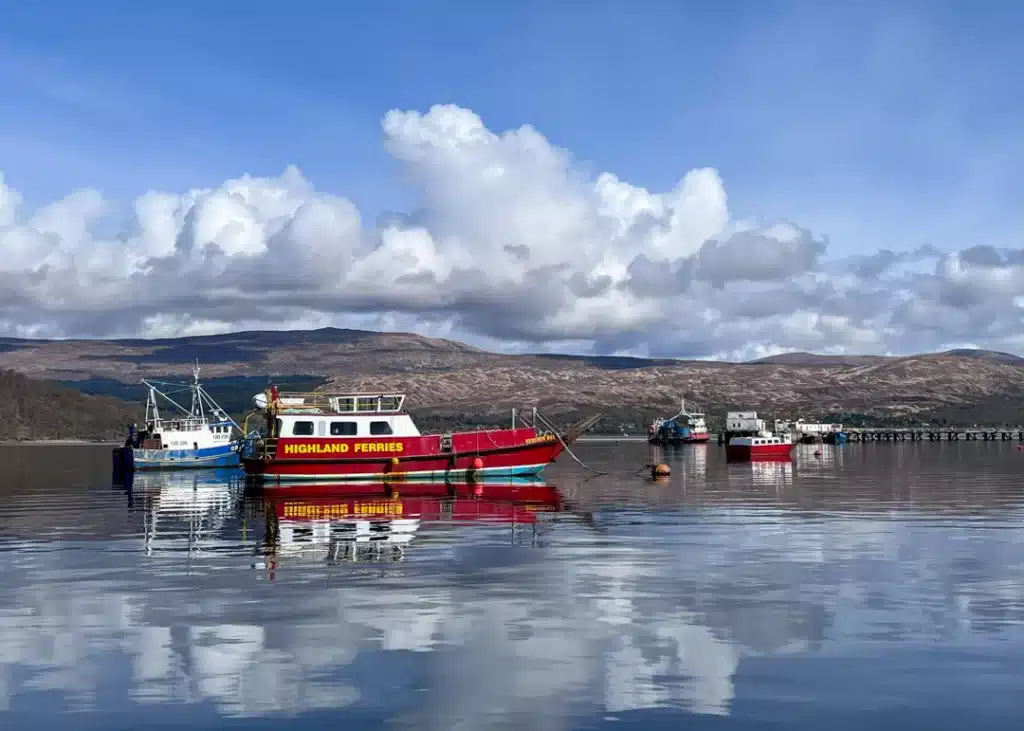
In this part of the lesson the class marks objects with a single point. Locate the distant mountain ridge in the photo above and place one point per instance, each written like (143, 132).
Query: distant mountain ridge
(803, 358)
(448, 377)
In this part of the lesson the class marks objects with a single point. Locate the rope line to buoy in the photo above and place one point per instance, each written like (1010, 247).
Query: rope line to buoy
(600, 473)
(579, 461)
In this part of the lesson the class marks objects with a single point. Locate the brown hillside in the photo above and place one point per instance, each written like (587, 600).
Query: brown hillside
(31, 409)
(445, 377)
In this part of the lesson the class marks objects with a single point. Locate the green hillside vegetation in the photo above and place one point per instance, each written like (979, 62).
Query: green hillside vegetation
(31, 409)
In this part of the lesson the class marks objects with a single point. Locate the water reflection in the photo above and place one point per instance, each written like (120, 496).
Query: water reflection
(376, 522)
(554, 603)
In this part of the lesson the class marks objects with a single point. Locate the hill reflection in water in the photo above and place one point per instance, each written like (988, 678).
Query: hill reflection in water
(872, 581)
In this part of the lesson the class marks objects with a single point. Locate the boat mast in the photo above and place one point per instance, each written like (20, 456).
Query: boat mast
(197, 401)
(152, 410)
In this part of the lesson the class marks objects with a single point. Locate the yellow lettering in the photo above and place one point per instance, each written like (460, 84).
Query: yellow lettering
(377, 508)
(399, 446)
(536, 440)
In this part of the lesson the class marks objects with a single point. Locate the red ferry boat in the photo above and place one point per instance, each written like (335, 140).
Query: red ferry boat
(761, 447)
(322, 436)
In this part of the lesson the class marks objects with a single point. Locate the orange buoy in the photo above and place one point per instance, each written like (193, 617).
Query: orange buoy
(478, 464)
(660, 470)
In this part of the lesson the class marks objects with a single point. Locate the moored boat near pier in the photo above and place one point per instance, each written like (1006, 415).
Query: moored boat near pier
(359, 436)
(686, 427)
(764, 446)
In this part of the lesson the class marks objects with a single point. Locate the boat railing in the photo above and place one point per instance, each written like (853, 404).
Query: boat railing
(255, 446)
(341, 403)
(185, 425)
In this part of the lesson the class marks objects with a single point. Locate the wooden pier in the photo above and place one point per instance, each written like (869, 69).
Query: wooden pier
(927, 434)
(932, 434)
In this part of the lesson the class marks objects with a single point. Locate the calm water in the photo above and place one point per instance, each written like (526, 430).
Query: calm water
(878, 584)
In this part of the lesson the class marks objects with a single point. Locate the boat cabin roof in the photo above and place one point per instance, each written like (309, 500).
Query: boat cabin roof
(349, 404)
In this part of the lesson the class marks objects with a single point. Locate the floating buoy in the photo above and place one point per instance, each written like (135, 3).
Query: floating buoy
(394, 461)
(660, 470)
(478, 464)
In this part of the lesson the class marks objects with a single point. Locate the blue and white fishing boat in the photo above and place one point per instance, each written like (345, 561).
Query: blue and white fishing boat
(200, 436)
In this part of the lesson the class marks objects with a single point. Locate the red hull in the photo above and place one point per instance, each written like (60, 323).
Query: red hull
(758, 453)
(490, 453)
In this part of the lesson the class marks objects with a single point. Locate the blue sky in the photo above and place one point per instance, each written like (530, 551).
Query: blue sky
(879, 124)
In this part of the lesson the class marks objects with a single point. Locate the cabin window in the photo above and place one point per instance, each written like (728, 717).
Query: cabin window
(388, 403)
(343, 428)
(302, 428)
(346, 403)
(380, 428)
(366, 403)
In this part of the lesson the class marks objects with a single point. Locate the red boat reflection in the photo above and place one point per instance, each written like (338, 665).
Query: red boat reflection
(350, 521)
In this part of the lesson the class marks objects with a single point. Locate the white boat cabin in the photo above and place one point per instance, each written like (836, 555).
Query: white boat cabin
(344, 416)
(187, 433)
(761, 440)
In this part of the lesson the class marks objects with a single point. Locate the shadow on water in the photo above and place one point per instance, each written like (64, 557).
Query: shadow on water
(875, 584)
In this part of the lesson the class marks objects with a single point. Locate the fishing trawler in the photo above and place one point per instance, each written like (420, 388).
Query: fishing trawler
(360, 436)
(673, 431)
(200, 436)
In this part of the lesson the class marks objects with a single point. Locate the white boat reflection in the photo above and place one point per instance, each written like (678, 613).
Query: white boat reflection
(774, 475)
(189, 507)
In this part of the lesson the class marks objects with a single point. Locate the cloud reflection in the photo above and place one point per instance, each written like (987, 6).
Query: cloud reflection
(615, 615)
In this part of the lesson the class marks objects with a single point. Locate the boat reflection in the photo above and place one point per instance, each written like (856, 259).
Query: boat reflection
(348, 522)
(777, 474)
(184, 506)
(771, 474)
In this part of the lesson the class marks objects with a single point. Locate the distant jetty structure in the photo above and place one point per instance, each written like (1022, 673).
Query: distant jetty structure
(934, 434)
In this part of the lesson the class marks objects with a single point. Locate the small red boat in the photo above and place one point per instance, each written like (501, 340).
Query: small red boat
(322, 436)
(761, 447)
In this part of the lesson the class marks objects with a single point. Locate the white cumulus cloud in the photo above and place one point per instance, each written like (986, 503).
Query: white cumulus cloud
(511, 242)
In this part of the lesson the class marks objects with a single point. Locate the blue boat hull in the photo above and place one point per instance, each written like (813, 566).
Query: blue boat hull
(225, 455)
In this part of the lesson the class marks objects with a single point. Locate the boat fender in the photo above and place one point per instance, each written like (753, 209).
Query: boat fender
(478, 464)
(660, 470)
